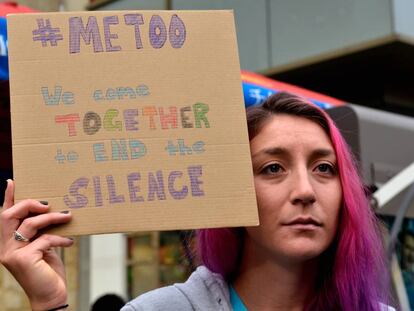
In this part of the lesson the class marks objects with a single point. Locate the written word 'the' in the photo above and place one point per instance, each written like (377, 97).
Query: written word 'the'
(105, 40)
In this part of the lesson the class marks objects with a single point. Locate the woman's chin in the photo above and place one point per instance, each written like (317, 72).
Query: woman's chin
(300, 251)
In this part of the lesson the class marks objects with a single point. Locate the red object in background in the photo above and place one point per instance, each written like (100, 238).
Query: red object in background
(265, 82)
(9, 7)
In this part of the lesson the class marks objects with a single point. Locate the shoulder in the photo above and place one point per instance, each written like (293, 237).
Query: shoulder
(159, 299)
(204, 290)
(384, 307)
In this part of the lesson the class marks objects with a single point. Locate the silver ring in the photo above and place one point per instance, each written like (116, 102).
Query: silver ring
(20, 237)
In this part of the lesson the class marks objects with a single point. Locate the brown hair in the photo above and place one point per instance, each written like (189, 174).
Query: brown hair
(285, 103)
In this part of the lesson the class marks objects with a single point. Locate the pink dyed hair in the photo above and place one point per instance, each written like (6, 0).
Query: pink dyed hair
(353, 274)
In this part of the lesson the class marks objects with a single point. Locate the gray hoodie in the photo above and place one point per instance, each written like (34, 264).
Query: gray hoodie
(204, 290)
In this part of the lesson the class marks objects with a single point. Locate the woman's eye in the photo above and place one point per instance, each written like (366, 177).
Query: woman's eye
(272, 169)
(326, 168)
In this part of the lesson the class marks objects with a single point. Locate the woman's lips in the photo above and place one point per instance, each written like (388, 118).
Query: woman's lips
(303, 226)
(304, 223)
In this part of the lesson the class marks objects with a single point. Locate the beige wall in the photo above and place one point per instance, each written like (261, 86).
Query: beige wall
(12, 297)
(41, 5)
(75, 5)
(55, 5)
(11, 294)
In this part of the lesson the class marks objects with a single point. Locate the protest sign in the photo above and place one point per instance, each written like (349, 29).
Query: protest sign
(132, 120)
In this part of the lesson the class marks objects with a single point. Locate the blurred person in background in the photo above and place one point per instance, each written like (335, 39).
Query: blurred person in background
(108, 302)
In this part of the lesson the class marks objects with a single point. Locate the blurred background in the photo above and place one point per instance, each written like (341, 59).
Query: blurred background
(354, 58)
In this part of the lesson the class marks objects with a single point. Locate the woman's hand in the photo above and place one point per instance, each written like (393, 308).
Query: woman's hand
(33, 263)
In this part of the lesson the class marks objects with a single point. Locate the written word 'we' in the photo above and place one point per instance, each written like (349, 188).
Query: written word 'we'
(58, 96)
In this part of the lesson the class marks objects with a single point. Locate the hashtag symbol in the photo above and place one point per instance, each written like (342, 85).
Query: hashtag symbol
(45, 32)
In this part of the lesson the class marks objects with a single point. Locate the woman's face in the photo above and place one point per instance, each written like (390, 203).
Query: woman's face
(297, 187)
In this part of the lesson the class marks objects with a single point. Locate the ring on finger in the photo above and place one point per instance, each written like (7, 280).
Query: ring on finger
(20, 237)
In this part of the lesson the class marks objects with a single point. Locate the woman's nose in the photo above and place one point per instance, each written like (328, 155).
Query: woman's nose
(302, 189)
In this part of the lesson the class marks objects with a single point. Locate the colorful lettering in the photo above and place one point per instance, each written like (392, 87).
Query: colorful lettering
(122, 91)
(150, 111)
(194, 172)
(99, 152)
(167, 119)
(91, 123)
(80, 199)
(119, 149)
(70, 119)
(134, 189)
(98, 190)
(157, 32)
(107, 22)
(136, 20)
(200, 111)
(97, 95)
(184, 118)
(176, 194)
(156, 186)
(109, 116)
(88, 34)
(177, 32)
(137, 149)
(113, 197)
(129, 118)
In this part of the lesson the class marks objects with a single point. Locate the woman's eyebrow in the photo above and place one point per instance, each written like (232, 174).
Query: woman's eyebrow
(322, 153)
(271, 151)
(280, 151)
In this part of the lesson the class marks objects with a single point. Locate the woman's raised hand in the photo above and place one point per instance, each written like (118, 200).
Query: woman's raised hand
(28, 254)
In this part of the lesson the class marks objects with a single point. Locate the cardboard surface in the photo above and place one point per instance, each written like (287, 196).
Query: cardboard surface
(133, 120)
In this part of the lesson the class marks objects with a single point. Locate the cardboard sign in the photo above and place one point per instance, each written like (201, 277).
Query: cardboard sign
(132, 120)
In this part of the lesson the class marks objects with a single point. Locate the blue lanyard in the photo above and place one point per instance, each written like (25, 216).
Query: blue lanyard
(235, 300)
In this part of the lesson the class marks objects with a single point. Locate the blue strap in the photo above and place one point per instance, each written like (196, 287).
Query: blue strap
(236, 303)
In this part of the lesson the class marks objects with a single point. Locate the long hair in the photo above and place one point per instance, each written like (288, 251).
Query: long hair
(353, 273)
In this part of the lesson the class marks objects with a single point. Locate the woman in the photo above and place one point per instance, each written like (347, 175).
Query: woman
(318, 246)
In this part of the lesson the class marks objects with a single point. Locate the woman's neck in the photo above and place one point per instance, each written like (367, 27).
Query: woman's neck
(266, 283)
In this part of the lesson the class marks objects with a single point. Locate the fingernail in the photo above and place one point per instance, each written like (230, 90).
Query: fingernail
(72, 239)
(65, 212)
(44, 202)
